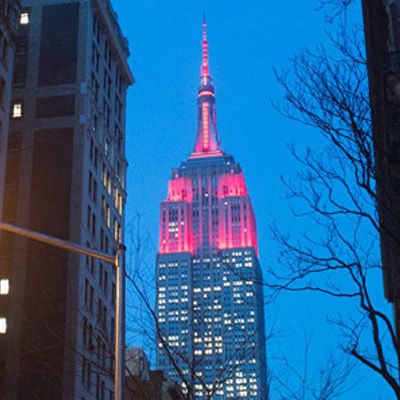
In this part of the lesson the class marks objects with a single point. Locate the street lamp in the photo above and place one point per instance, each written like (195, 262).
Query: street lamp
(120, 290)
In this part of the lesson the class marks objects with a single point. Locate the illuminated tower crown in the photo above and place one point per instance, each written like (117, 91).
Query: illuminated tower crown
(208, 191)
(207, 142)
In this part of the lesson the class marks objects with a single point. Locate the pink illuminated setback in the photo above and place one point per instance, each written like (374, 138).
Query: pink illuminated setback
(237, 224)
(231, 185)
(175, 228)
(228, 224)
(180, 189)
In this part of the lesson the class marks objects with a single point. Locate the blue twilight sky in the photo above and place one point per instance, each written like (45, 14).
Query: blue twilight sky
(246, 40)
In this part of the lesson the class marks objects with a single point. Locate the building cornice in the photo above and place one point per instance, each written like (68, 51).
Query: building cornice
(118, 41)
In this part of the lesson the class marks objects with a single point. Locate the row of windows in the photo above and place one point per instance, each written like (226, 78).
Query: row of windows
(108, 56)
(91, 225)
(103, 274)
(103, 284)
(102, 317)
(107, 89)
(100, 388)
(111, 149)
(107, 183)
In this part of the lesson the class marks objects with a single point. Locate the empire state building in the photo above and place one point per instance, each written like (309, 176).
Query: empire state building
(210, 311)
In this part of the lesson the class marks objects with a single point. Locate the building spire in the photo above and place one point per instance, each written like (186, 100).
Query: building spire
(207, 143)
(204, 67)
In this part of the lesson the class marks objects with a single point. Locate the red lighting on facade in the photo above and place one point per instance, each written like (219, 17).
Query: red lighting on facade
(180, 189)
(204, 66)
(206, 130)
(206, 93)
(210, 154)
(234, 225)
(231, 185)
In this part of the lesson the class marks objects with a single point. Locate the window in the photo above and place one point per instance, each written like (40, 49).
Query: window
(91, 149)
(91, 296)
(99, 310)
(4, 286)
(101, 274)
(104, 320)
(2, 88)
(95, 57)
(104, 175)
(95, 122)
(107, 113)
(24, 18)
(103, 389)
(96, 156)
(113, 294)
(93, 230)
(92, 187)
(108, 215)
(102, 239)
(89, 217)
(90, 337)
(89, 376)
(3, 325)
(85, 331)
(97, 386)
(83, 370)
(119, 137)
(106, 245)
(4, 55)
(115, 230)
(105, 286)
(17, 110)
(95, 87)
(94, 191)
(108, 183)
(91, 222)
(90, 184)
(107, 148)
(86, 292)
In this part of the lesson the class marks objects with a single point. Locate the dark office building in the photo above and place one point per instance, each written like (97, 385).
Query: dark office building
(382, 34)
(9, 22)
(65, 176)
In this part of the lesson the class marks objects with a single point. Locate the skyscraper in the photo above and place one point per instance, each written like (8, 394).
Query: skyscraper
(210, 315)
(9, 14)
(65, 176)
(382, 38)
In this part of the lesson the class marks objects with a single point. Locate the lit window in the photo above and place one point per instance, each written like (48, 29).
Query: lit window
(4, 286)
(3, 325)
(24, 19)
(17, 110)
